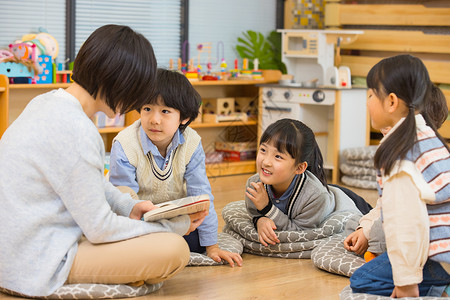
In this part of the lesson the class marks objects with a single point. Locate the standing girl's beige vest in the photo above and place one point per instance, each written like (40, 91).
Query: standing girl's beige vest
(155, 184)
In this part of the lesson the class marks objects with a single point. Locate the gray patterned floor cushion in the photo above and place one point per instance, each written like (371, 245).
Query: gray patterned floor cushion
(359, 183)
(354, 170)
(96, 291)
(225, 242)
(347, 294)
(293, 244)
(357, 167)
(361, 163)
(331, 256)
(360, 153)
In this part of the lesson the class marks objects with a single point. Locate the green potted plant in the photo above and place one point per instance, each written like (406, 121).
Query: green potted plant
(267, 50)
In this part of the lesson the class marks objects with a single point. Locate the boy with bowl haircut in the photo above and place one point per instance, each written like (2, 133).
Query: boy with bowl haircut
(162, 159)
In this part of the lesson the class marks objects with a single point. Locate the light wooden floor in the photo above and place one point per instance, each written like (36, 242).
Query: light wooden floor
(259, 277)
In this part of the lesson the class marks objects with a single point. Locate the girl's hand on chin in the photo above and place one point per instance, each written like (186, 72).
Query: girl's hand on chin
(258, 195)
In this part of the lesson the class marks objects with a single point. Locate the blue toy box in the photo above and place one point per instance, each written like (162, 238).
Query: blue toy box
(45, 61)
(19, 73)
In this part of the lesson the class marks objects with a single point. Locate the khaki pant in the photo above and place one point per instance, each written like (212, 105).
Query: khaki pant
(150, 258)
(126, 189)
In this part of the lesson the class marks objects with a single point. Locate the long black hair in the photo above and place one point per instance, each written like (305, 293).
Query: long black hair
(297, 139)
(407, 77)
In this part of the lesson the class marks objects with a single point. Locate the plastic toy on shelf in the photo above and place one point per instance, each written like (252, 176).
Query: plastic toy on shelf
(234, 73)
(5, 54)
(245, 73)
(30, 60)
(22, 64)
(209, 75)
(46, 76)
(256, 73)
(215, 67)
(192, 73)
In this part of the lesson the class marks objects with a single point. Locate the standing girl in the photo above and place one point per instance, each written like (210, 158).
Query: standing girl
(414, 183)
(290, 190)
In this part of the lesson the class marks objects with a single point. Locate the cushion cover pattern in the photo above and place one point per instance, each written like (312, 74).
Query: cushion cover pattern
(293, 244)
(331, 256)
(358, 167)
(225, 242)
(95, 291)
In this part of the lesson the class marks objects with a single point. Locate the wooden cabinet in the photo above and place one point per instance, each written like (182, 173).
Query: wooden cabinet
(392, 29)
(212, 132)
(14, 98)
(4, 103)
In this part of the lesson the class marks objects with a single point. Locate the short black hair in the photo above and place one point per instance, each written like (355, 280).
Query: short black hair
(117, 63)
(177, 92)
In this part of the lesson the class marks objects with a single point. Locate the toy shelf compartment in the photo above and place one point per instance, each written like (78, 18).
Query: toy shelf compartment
(230, 168)
(16, 86)
(223, 124)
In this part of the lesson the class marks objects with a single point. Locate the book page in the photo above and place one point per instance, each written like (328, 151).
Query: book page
(178, 207)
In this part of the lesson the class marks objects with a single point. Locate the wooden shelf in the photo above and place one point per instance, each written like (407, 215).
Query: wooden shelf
(231, 168)
(219, 88)
(228, 82)
(321, 133)
(194, 83)
(38, 86)
(223, 124)
(270, 76)
(4, 103)
(110, 129)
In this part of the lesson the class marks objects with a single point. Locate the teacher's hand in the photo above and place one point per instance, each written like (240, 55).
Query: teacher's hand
(141, 208)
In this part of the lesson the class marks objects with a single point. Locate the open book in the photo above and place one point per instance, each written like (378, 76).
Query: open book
(178, 207)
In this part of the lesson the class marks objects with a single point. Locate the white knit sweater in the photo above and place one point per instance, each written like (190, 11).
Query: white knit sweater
(52, 190)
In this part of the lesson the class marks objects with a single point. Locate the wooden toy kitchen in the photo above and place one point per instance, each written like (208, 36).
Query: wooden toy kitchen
(320, 95)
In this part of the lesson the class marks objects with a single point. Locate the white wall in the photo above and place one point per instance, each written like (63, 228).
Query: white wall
(224, 21)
